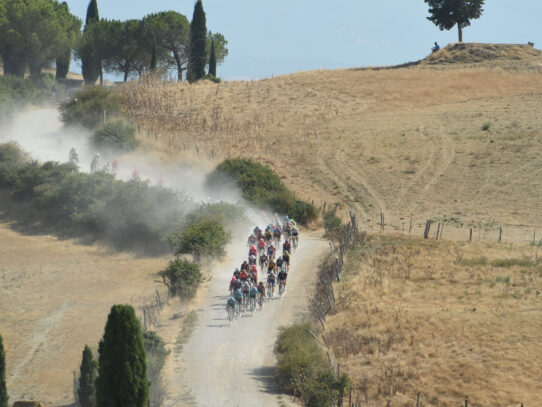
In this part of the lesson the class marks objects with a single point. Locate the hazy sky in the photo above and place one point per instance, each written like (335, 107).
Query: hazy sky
(270, 37)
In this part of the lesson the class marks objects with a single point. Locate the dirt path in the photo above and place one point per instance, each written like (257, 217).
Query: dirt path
(234, 366)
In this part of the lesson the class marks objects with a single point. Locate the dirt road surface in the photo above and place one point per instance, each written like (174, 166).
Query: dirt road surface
(229, 366)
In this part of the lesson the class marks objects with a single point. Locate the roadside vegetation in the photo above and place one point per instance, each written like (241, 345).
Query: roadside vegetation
(262, 187)
(303, 371)
(439, 318)
(127, 215)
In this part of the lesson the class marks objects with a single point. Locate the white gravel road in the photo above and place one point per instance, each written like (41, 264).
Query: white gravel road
(229, 366)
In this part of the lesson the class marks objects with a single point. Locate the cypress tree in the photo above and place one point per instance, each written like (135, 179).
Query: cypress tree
(3, 388)
(212, 60)
(92, 12)
(122, 373)
(87, 388)
(90, 60)
(198, 34)
(153, 56)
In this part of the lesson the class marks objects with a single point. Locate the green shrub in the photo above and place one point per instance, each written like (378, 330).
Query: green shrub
(261, 186)
(225, 213)
(129, 215)
(332, 224)
(87, 107)
(301, 368)
(116, 135)
(182, 277)
(486, 126)
(155, 349)
(205, 238)
(475, 261)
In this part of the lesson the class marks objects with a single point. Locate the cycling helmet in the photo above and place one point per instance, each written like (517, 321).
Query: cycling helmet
(233, 279)
(245, 262)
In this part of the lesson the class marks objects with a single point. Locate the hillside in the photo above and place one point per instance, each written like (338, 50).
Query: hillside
(408, 142)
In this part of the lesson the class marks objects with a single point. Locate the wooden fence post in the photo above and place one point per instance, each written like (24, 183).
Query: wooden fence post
(500, 234)
(467, 403)
(418, 400)
(441, 229)
(427, 229)
(438, 231)
(410, 227)
(534, 236)
(470, 235)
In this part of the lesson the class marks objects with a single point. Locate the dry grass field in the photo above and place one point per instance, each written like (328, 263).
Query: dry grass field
(55, 296)
(408, 142)
(448, 320)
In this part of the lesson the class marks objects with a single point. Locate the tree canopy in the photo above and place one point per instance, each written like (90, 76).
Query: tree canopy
(33, 33)
(446, 14)
(172, 33)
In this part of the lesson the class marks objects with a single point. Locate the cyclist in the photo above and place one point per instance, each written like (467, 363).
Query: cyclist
(277, 235)
(261, 288)
(245, 288)
(282, 276)
(243, 275)
(237, 284)
(263, 261)
(252, 259)
(295, 233)
(271, 252)
(271, 265)
(245, 266)
(256, 231)
(236, 273)
(280, 262)
(251, 240)
(261, 246)
(286, 247)
(230, 304)
(232, 282)
(271, 277)
(254, 273)
(115, 166)
(268, 235)
(286, 259)
(238, 296)
(95, 163)
(253, 293)
(74, 157)
(252, 250)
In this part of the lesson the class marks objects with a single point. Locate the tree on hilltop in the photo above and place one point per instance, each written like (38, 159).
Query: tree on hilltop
(198, 44)
(3, 388)
(122, 373)
(446, 14)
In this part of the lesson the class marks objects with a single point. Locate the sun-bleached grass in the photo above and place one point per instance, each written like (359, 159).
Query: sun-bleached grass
(406, 142)
(415, 316)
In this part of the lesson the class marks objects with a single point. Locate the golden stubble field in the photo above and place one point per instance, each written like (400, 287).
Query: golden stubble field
(55, 296)
(407, 142)
(448, 320)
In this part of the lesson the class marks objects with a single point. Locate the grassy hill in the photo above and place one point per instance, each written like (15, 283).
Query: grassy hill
(453, 142)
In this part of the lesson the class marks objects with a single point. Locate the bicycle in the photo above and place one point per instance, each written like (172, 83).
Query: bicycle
(295, 242)
(260, 300)
(269, 291)
(230, 314)
(252, 304)
(281, 288)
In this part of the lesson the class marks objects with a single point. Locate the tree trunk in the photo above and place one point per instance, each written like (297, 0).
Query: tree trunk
(101, 75)
(126, 75)
(460, 32)
(179, 66)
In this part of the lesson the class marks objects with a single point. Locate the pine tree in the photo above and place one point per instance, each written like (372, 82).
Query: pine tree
(446, 14)
(212, 60)
(122, 373)
(153, 56)
(91, 66)
(87, 387)
(3, 388)
(198, 35)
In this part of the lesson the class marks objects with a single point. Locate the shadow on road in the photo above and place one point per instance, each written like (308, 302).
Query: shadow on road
(266, 376)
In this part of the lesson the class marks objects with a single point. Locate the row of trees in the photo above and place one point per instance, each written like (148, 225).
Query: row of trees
(164, 40)
(36, 33)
